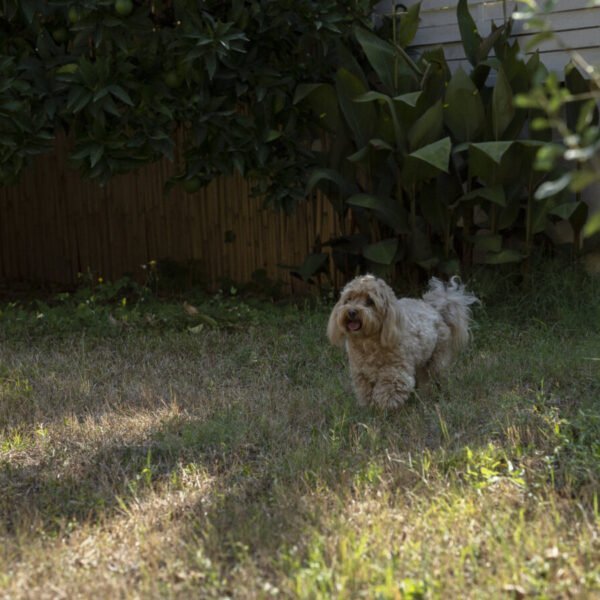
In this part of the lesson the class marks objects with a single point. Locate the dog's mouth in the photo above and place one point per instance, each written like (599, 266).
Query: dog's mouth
(353, 325)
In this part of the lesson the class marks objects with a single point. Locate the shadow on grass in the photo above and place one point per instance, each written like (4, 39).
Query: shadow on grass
(270, 464)
(262, 464)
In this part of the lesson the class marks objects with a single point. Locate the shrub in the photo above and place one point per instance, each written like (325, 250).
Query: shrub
(430, 169)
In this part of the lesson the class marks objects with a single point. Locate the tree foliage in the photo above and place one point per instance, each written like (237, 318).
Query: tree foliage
(123, 77)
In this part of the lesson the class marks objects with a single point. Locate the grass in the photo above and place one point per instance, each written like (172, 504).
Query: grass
(146, 451)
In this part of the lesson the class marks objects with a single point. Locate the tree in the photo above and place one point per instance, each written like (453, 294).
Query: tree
(127, 78)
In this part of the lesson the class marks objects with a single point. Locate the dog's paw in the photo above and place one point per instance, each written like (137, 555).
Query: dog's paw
(393, 392)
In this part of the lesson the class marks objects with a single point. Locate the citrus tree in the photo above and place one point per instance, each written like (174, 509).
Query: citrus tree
(126, 79)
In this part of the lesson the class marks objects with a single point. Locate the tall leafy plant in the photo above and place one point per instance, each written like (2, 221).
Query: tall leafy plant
(570, 109)
(428, 168)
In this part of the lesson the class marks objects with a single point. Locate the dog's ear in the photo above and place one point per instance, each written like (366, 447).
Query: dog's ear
(334, 332)
(390, 328)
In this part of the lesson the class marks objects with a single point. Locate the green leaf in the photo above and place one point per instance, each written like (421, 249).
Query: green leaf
(488, 242)
(321, 98)
(592, 227)
(494, 194)
(96, 154)
(436, 155)
(464, 114)
(428, 128)
(504, 256)
(312, 264)
(382, 252)
(387, 210)
(503, 110)
(360, 117)
(29, 9)
(387, 100)
(409, 23)
(495, 151)
(486, 44)
(579, 216)
(365, 153)
(409, 99)
(320, 175)
(304, 90)
(471, 40)
(583, 179)
(118, 92)
(382, 55)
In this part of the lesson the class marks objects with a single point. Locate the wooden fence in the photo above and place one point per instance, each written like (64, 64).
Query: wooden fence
(55, 224)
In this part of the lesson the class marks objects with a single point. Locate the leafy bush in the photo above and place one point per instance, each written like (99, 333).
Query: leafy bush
(571, 112)
(437, 169)
(128, 78)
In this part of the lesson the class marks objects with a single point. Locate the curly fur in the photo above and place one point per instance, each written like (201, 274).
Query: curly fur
(392, 343)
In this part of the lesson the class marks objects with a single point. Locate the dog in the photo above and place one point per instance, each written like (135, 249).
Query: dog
(394, 344)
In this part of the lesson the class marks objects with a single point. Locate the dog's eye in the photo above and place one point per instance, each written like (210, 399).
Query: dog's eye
(369, 301)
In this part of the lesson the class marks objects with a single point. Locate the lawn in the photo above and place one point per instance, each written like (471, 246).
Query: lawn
(147, 450)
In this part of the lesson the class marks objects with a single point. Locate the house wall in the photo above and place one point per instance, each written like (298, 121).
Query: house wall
(575, 22)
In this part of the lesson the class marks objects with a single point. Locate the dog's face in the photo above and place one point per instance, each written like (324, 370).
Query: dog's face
(366, 308)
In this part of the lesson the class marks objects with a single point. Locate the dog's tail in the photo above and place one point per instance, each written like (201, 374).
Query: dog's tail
(453, 302)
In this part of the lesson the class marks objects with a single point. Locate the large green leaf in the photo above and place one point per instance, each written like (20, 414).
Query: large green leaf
(579, 216)
(409, 99)
(383, 252)
(427, 162)
(471, 40)
(494, 194)
(464, 114)
(564, 211)
(312, 265)
(428, 128)
(322, 100)
(387, 61)
(503, 110)
(409, 23)
(578, 85)
(495, 151)
(318, 176)
(373, 96)
(305, 89)
(592, 226)
(365, 153)
(433, 202)
(487, 43)
(488, 242)
(504, 256)
(507, 216)
(388, 210)
(360, 117)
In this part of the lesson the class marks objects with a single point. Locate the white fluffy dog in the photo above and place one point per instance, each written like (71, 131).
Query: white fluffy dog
(392, 343)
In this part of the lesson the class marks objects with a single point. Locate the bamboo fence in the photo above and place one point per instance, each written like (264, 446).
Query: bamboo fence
(55, 224)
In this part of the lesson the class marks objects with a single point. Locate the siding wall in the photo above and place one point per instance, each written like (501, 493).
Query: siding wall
(575, 21)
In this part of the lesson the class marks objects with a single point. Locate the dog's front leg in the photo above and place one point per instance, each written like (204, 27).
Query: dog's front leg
(363, 387)
(393, 388)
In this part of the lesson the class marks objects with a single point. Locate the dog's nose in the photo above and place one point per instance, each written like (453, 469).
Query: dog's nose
(352, 313)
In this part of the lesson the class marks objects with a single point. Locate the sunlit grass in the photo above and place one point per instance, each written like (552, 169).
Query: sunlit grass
(156, 458)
